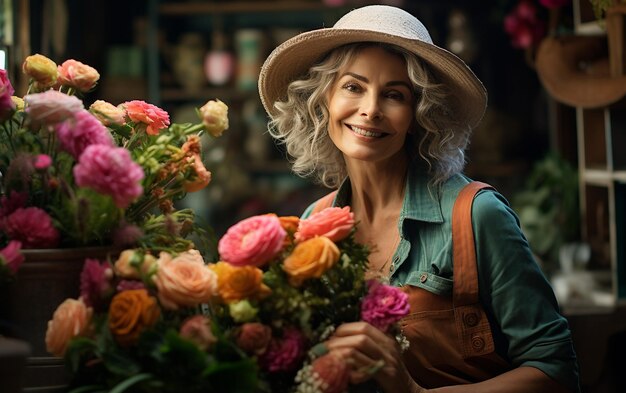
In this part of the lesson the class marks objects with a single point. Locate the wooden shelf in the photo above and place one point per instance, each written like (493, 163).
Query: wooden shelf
(222, 93)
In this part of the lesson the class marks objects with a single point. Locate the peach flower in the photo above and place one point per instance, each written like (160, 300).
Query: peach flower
(333, 222)
(239, 282)
(253, 241)
(71, 319)
(108, 114)
(200, 178)
(154, 118)
(332, 372)
(198, 330)
(310, 259)
(132, 264)
(215, 117)
(78, 75)
(132, 312)
(41, 69)
(184, 281)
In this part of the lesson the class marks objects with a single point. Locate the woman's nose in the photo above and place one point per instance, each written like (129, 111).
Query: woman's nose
(371, 108)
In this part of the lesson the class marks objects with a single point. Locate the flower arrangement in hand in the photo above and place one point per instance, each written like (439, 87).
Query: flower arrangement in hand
(75, 176)
(285, 284)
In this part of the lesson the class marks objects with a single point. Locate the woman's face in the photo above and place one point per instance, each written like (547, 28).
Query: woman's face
(371, 106)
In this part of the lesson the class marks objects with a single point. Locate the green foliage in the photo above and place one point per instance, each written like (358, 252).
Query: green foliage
(601, 6)
(548, 207)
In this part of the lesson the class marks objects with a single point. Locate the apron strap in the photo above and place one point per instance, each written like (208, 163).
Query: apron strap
(324, 202)
(471, 321)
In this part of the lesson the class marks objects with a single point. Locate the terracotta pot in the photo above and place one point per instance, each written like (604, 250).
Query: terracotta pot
(46, 278)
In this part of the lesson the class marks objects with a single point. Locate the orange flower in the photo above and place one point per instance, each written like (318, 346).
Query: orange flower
(71, 319)
(237, 283)
(131, 313)
(200, 177)
(311, 258)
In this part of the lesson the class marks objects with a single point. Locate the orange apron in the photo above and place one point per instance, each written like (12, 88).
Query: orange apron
(451, 340)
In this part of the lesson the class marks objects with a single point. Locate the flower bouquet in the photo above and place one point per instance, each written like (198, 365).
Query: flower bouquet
(285, 284)
(250, 322)
(104, 175)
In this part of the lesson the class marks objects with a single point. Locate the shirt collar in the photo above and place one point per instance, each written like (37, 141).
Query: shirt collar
(420, 201)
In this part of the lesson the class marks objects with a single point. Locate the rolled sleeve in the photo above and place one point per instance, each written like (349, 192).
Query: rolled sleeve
(528, 328)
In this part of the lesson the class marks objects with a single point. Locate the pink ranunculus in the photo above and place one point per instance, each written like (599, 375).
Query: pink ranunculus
(184, 281)
(383, 305)
(198, 330)
(7, 106)
(84, 130)
(78, 75)
(154, 118)
(11, 255)
(71, 319)
(285, 353)
(95, 282)
(333, 222)
(110, 171)
(42, 162)
(253, 338)
(51, 107)
(253, 241)
(332, 372)
(33, 227)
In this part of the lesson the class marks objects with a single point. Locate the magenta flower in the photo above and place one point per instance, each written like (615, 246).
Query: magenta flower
(81, 131)
(7, 106)
(11, 256)
(383, 305)
(33, 227)
(285, 353)
(51, 107)
(554, 3)
(127, 285)
(42, 162)
(110, 171)
(524, 26)
(94, 282)
(253, 241)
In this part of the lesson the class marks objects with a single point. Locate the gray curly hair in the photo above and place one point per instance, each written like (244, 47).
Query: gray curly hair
(438, 141)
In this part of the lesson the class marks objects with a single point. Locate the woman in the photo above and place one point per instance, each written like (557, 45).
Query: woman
(373, 108)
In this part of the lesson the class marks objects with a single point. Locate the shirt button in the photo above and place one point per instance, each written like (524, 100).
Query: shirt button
(478, 343)
(423, 277)
(471, 319)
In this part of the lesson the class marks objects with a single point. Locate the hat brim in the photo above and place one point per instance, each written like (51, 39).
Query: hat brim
(293, 58)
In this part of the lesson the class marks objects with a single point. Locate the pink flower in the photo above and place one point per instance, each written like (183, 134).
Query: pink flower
(71, 319)
(198, 330)
(78, 75)
(253, 241)
(42, 162)
(184, 281)
(51, 107)
(76, 134)
(126, 285)
(110, 171)
(11, 256)
(334, 223)
(7, 106)
(383, 305)
(285, 353)
(332, 372)
(94, 282)
(554, 3)
(523, 25)
(254, 337)
(150, 115)
(33, 227)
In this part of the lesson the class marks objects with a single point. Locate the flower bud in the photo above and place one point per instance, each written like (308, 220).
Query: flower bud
(214, 116)
(41, 69)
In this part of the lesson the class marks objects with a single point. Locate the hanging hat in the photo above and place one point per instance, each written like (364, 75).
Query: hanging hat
(575, 71)
(376, 23)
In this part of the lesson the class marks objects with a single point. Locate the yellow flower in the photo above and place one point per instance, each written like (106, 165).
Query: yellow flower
(215, 117)
(310, 259)
(41, 69)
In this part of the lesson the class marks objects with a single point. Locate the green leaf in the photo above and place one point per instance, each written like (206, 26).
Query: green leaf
(130, 382)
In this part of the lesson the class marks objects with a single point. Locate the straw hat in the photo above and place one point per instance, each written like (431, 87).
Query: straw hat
(378, 23)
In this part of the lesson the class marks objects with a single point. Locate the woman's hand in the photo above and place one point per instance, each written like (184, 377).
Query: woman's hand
(372, 354)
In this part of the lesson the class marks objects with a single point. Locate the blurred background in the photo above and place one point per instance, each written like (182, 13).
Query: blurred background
(553, 140)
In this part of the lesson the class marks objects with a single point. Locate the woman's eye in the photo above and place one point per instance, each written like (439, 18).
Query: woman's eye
(352, 87)
(394, 95)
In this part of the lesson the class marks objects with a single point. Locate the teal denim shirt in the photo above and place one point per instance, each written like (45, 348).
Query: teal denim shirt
(523, 312)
